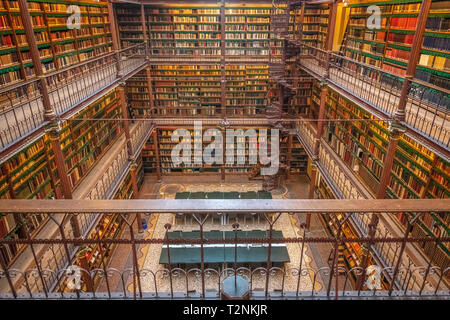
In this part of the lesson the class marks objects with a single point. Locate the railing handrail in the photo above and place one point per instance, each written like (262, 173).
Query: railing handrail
(375, 68)
(17, 85)
(203, 206)
(80, 64)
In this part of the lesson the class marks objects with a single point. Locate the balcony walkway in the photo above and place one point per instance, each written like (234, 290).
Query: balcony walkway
(347, 185)
(22, 110)
(429, 120)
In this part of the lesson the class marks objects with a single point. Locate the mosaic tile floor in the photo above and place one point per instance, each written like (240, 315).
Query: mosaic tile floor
(149, 255)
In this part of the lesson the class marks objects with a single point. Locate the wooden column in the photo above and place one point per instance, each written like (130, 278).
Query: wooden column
(399, 116)
(321, 117)
(224, 144)
(53, 134)
(135, 189)
(158, 164)
(223, 100)
(144, 30)
(330, 38)
(49, 113)
(323, 99)
(388, 162)
(53, 127)
(397, 129)
(125, 115)
(126, 121)
(312, 187)
(150, 89)
(413, 59)
(130, 150)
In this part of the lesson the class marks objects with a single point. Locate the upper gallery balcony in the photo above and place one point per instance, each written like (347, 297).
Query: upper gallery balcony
(427, 107)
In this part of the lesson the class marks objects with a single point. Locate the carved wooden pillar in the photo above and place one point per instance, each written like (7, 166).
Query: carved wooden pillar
(156, 145)
(135, 188)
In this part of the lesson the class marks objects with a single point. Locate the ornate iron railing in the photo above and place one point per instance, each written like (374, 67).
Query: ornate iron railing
(22, 107)
(427, 108)
(147, 279)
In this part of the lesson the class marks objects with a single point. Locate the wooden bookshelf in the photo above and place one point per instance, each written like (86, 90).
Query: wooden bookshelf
(168, 167)
(138, 96)
(148, 156)
(98, 255)
(416, 173)
(29, 174)
(247, 31)
(125, 190)
(242, 154)
(190, 30)
(315, 25)
(59, 46)
(301, 102)
(351, 253)
(246, 90)
(298, 158)
(389, 46)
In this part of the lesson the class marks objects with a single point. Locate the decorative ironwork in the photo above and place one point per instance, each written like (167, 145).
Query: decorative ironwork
(48, 277)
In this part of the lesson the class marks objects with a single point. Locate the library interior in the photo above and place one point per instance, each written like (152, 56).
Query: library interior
(138, 140)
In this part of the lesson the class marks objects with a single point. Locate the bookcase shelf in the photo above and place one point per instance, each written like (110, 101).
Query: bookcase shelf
(148, 156)
(240, 162)
(84, 141)
(298, 158)
(246, 89)
(389, 46)
(416, 173)
(125, 190)
(29, 174)
(108, 227)
(138, 96)
(172, 31)
(315, 24)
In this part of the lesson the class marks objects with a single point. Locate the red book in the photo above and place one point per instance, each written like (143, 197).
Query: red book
(394, 22)
(411, 23)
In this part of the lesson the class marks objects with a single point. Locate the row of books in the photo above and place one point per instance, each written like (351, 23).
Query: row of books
(436, 190)
(437, 254)
(435, 62)
(406, 39)
(438, 24)
(408, 179)
(182, 11)
(248, 11)
(436, 43)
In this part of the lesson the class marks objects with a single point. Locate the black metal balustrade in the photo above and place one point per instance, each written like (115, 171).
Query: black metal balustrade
(298, 279)
(21, 106)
